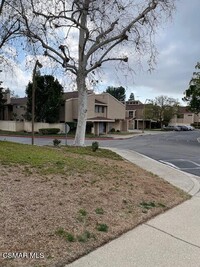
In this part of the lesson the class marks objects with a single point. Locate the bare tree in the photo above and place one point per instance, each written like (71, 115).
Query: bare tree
(82, 35)
(162, 109)
(9, 22)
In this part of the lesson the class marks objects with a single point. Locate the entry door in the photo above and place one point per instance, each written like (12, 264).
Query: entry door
(102, 127)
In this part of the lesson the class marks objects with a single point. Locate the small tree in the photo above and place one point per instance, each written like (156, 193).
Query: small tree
(131, 97)
(118, 92)
(192, 94)
(48, 99)
(162, 109)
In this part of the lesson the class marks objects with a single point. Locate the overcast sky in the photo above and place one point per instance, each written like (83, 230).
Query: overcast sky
(178, 44)
(179, 50)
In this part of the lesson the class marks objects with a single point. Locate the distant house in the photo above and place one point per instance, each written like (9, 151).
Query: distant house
(185, 117)
(135, 115)
(14, 108)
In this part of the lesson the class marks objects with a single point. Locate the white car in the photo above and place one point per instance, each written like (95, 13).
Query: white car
(190, 128)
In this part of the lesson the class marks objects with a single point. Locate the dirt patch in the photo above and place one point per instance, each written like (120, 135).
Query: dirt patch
(51, 219)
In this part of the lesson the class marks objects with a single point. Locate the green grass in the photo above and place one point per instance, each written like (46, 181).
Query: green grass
(150, 205)
(49, 160)
(101, 153)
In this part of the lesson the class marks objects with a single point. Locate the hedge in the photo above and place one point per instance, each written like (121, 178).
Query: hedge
(49, 131)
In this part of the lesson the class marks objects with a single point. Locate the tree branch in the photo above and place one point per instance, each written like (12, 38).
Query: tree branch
(10, 32)
(1, 6)
(123, 35)
(101, 60)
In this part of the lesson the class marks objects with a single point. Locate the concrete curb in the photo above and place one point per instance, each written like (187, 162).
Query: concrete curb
(185, 181)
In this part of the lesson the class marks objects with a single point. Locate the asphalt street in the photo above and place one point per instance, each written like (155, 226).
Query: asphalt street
(180, 150)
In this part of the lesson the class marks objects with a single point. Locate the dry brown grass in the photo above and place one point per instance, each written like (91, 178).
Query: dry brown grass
(37, 206)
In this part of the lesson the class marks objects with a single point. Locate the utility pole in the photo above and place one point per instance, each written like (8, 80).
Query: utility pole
(37, 64)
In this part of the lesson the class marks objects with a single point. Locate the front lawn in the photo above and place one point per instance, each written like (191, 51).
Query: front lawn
(65, 202)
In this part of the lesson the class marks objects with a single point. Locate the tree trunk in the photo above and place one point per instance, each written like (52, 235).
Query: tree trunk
(82, 112)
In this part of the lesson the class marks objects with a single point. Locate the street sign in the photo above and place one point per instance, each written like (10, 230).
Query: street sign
(67, 128)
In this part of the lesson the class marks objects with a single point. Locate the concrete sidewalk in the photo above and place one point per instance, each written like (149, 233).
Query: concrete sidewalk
(135, 133)
(170, 239)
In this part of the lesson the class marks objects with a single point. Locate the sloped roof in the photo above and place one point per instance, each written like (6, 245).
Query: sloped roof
(184, 110)
(99, 102)
(134, 107)
(73, 94)
(18, 101)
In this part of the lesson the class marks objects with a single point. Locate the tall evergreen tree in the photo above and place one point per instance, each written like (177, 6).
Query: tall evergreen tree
(48, 99)
(117, 92)
(132, 96)
(192, 94)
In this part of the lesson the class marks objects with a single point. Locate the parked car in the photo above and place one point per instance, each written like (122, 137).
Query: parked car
(190, 128)
(183, 127)
(172, 128)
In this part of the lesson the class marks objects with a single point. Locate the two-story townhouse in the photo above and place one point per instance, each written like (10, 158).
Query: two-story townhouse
(135, 115)
(14, 108)
(104, 112)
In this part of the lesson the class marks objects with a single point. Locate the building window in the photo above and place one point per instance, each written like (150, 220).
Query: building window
(131, 114)
(180, 116)
(99, 109)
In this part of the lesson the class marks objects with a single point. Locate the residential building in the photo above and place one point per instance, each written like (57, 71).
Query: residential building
(14, 108)
(135, 111)
(185, 117)
(104, 112)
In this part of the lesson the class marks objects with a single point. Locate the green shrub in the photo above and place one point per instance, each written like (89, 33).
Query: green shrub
(62, 233)
(84, 237)
(82, 212)
(69, 237)
(56, 142)
(99, 211)
(95, 146)
(112, 130)
(102, 227)
(47, 131)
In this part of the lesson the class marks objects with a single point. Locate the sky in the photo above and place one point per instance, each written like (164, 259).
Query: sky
(178, 44)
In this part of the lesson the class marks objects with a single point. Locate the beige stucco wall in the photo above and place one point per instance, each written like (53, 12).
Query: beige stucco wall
(91, 105)
(68, 110)
(11, 126)
(115, 110)
(188, 119)
(40, 125)
(139, 114)
(16, 126)
(197, 118)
